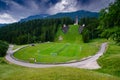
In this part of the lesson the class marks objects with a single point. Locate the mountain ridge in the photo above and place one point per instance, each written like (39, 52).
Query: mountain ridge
(1, 25)
(80, 14)
(39, 16)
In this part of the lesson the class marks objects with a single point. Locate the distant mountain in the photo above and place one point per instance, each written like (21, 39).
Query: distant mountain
(40, 16)
(1, 25)
(80, 14)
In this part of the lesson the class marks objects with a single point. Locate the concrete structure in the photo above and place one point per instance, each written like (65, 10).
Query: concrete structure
(76, 21)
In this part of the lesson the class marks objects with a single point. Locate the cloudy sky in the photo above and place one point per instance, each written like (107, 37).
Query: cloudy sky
(14, 10)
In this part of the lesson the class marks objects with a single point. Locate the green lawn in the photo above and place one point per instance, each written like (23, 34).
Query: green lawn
(57, 52)
(110, 61)
(13, 72)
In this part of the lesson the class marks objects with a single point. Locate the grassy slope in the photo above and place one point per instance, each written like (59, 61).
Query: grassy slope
(110, 61)
(72, 36)
(13, 72)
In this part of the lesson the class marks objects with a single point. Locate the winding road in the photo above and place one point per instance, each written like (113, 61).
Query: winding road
(89, 63)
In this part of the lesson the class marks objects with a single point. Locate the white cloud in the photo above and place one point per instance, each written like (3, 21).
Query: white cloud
(63, 6)
(19, 11)
(73, 5)
(6, 18)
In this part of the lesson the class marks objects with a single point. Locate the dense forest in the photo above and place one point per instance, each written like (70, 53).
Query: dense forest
(39, 30)
(90, 31)
(110, 22)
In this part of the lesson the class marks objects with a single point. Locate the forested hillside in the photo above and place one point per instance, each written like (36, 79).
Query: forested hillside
(80, 14)
(39, 30)
(110, 22)
(40, 16)
(107, 26)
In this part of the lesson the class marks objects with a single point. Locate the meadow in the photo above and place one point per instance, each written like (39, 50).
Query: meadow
(110, 61)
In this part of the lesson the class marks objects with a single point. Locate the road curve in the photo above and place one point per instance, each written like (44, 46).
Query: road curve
(90, 63)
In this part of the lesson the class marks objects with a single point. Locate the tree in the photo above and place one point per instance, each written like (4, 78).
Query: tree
(3, 48)
(90, 30)
(86, 36)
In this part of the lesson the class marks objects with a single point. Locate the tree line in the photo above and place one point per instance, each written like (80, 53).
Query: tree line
(90, 30)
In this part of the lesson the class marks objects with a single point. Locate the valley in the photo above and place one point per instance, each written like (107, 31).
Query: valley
(59, 40)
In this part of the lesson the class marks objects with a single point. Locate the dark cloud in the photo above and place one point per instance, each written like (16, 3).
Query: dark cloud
(84, 2)
(17, 9)
(21, 2)
(3, 6)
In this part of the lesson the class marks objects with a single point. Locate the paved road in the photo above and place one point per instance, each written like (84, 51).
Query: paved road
(90, 63)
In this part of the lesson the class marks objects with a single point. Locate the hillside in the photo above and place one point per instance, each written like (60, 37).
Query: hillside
(41, 30)
(71, 36)
(40, 16)
(80, 14)
(110, 61)
(12, 72)
(1, 25)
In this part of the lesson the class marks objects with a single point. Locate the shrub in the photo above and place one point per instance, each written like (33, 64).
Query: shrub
(3, 48)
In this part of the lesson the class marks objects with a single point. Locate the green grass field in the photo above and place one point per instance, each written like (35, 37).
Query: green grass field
(110, 61)
(13, 72)
(57, 52)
